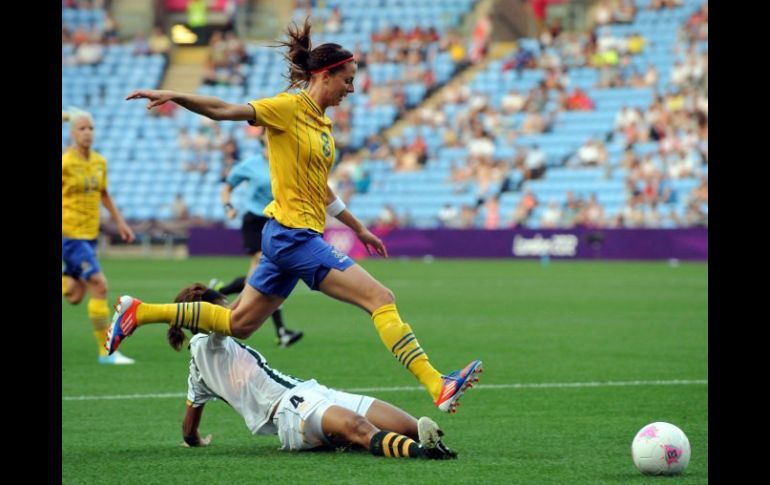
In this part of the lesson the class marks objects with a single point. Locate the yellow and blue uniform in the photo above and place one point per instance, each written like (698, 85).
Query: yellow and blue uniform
(82, 183)
(301, 153)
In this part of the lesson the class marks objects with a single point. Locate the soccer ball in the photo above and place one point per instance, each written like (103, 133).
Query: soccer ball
(660, 449)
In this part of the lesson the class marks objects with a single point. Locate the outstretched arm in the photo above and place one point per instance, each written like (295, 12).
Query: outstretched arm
(192, 418)
(208, 106)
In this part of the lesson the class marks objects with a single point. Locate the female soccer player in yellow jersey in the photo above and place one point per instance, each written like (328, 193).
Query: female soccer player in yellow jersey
(83, 187)
(301, 152)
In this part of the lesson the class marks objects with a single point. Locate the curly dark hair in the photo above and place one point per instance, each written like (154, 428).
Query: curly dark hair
(195, 292)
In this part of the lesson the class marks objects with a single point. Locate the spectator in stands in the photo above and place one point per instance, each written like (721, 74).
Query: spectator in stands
(592, 153)
(141, 46)
(534, 164)
(218, 51)
(572, 207)
(533, 123)
(552, 216)
(453, 44)
(165, 111)
(159, 43)
(197, 19)
(79, 36)
(210, 77)
(492, 212)
(512, 102)
(633, 213)
(653, 218)
(293, 247)
(448, 216)
(524, 209)
(334, 23)
(592, 215)
(700, 194)
(579, 101)
(480, 38)
(673, 216)
(468, 216)
(636, 43)
(481, 145)
(236, 50)
(603, 13)
(231, 154)
(179, 206)
(522, 59)
(387, 219)
(694, 216)
(625, 12)
(90, 52)
(110, 29)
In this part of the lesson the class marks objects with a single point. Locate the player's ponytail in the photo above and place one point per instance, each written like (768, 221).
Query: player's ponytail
(298, 54)
(304, 61)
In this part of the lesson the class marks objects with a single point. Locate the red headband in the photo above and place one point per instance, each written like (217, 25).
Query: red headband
(330, 66)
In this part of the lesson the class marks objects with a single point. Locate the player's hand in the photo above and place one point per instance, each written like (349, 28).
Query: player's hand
(231, 213)
(376, 243)
(157, 97)
(201, 442)
(126, 233)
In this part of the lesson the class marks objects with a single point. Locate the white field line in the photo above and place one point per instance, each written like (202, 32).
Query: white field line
(542, 385)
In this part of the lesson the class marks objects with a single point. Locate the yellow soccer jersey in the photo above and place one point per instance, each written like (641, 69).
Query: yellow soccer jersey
(301, 152)
(82, 183)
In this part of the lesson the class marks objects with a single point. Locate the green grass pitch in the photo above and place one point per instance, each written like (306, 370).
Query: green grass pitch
(636, 326)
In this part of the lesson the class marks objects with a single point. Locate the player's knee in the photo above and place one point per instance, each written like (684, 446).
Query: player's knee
(98, 286)
(359, 428)
(74, 296)
(240, 331)
(384, 296)
(242, 328)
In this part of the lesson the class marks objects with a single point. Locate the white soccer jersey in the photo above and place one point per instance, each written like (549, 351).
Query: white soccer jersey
(223, 368)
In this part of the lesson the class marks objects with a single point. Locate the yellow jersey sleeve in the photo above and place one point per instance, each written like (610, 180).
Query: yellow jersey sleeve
(276, 112)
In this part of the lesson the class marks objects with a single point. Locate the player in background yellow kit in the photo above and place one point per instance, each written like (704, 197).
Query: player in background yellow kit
(301, 153)
(83, 189)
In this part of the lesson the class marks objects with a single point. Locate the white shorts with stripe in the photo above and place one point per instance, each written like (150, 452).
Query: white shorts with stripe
(299, 413)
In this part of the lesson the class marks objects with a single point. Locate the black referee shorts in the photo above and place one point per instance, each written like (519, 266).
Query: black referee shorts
(251, 232)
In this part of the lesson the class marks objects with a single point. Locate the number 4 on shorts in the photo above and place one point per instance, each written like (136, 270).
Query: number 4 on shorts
(296, 401)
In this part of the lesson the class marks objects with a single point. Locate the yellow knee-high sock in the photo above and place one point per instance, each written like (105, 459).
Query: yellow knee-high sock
(402, 343)
(63, 285)
(197, 316)
(98, 313)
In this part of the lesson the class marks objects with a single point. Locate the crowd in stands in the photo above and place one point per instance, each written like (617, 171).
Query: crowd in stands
(675, 123)
(663, 142)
